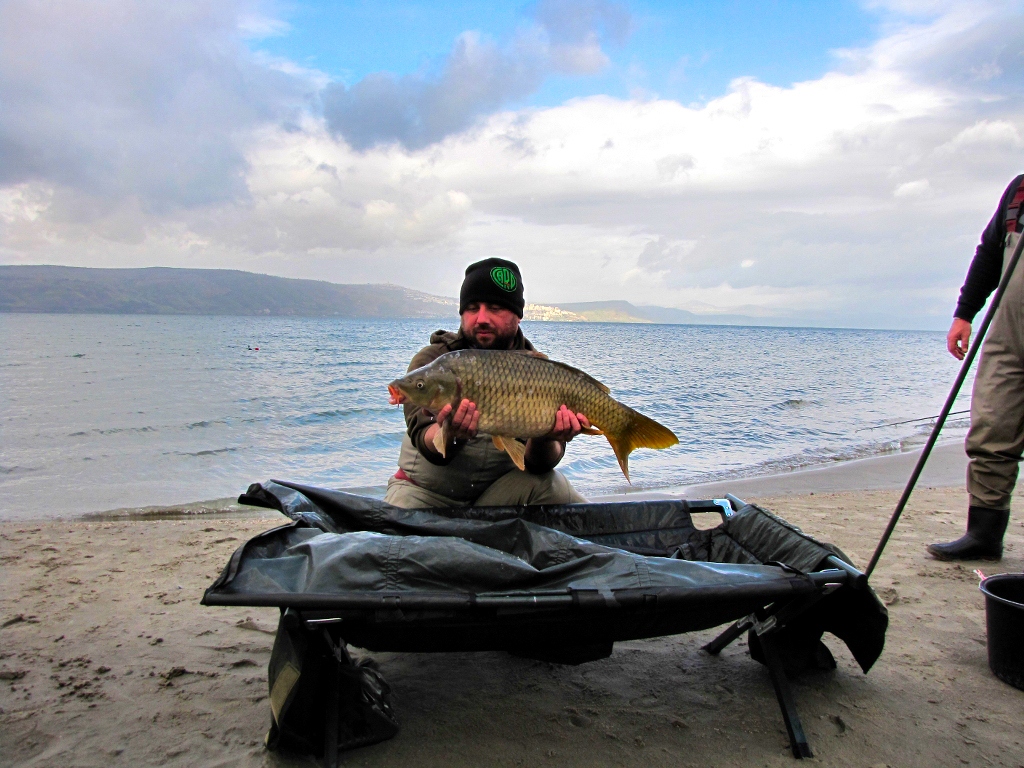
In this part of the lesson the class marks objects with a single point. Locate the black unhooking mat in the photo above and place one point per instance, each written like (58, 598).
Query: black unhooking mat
(561, 583)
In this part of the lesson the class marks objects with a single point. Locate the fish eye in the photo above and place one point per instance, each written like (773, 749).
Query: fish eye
(419, 384)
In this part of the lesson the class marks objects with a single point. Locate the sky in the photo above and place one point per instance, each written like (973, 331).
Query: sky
(832, 163)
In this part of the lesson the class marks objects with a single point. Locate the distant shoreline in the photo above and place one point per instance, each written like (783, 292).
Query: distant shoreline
(452, 320)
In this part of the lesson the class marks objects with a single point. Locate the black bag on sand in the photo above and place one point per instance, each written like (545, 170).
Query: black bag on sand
(309, 675)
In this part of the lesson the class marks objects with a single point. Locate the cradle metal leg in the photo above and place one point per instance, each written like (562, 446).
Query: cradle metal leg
(338, 656)
(783, 692)
(331, 722)
(717, 645)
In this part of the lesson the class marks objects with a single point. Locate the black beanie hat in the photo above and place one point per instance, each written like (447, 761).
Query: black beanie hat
(493, 281)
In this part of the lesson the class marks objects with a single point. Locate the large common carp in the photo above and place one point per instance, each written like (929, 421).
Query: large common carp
(519, 393)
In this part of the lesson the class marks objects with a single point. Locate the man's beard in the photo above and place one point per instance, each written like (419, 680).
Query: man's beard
(498, 342)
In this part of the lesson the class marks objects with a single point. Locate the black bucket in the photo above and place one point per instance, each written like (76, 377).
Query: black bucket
(1004, 613)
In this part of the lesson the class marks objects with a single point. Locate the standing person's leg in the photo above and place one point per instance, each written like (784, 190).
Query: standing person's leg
(517, 488)
(995, 441)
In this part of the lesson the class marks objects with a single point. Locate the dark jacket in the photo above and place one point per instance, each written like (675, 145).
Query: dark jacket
(416, 418)
(987, 267)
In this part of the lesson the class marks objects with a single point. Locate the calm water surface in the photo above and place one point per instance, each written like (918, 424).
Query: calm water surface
(100, 412)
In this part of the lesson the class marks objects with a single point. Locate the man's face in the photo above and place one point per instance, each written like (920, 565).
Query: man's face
(489, 326)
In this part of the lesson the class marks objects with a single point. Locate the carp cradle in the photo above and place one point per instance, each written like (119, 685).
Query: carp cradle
(557, 583)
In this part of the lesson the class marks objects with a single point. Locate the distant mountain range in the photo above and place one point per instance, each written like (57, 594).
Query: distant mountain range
(169, 291)
(624, 312)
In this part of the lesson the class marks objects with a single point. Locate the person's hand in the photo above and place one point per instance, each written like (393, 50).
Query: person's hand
(464, 420)
(567, 425)
(959, 338)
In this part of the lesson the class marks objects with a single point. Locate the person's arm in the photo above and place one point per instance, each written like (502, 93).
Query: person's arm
(544, 453)
(982, 278)
(987, 266)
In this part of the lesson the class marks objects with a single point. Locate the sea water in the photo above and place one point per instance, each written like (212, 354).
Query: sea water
(111, 411)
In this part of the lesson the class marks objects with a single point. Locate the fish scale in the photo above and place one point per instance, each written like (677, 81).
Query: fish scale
(518, 394)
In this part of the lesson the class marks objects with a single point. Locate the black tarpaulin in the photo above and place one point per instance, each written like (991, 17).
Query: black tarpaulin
(533, 578)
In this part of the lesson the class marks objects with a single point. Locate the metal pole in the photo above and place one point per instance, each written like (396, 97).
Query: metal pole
(964, 368)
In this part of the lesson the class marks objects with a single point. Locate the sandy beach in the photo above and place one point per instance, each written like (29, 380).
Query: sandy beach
(107, 658)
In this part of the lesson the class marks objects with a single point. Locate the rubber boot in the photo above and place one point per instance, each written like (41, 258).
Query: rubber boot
(983, 540)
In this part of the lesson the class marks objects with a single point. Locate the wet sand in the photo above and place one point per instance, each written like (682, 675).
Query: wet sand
(107, 659)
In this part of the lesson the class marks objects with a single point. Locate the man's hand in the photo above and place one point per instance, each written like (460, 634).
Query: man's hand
(544, 453)
(567, 425)
(464, 422)
(959, 338)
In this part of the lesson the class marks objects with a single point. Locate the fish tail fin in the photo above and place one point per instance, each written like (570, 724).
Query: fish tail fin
(640, 432)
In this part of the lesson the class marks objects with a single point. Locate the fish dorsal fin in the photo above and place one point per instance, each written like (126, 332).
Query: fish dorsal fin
(584, 374)
(515, 450)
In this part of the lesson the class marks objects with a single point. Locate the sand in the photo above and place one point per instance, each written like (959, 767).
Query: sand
(107, 659)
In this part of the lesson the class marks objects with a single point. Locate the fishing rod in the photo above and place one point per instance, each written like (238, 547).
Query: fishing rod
(910, 421)
(941, 419)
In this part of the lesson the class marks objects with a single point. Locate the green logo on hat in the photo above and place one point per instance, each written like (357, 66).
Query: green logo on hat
(504, 278)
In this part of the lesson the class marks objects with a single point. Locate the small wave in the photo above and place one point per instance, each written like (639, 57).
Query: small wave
(114, 431)
(349, 363)
(338, 414)
(204, 424)
(12, 471)
(209, 452)
(80, 354)
(794, 403)
(216, 508)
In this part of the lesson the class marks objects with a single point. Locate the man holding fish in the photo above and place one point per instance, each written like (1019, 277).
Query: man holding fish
(471, 397)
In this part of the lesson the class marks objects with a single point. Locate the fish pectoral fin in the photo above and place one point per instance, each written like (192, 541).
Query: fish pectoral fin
(515, 450)
(441, 439)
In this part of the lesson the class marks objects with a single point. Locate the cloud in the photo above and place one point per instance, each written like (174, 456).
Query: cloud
(478, 77)
(120, 99)
(662, 255)
(999, 134)
(912, 188)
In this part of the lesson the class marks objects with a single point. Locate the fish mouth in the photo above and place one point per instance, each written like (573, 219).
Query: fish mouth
(397, 395)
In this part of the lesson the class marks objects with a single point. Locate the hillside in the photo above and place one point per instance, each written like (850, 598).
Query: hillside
(166, 291)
